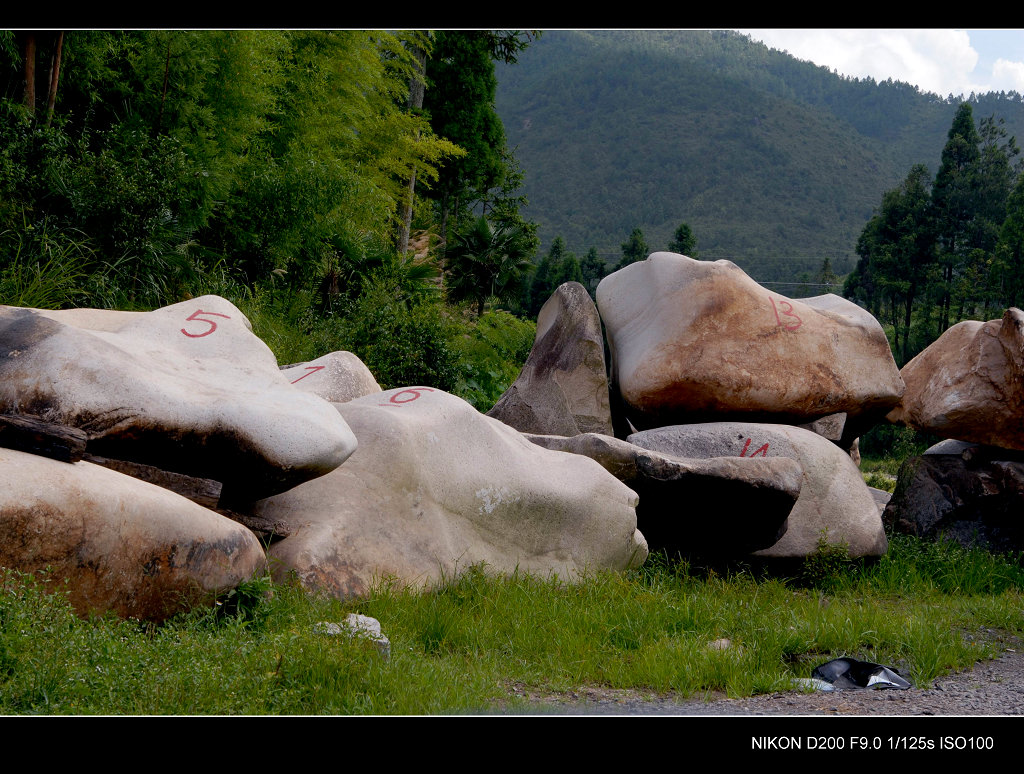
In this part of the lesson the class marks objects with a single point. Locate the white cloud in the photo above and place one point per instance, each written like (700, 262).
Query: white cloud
(1008, 76)
(940, 61)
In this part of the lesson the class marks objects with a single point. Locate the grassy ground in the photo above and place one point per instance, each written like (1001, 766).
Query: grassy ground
(881, 473)
(461, 648)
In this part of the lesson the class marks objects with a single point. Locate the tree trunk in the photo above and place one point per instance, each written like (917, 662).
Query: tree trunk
(30, 72)
(906, 324)
(417, 86)
(163, 96)
(51, 98)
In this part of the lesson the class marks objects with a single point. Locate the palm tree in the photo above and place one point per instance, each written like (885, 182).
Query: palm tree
(488, 263)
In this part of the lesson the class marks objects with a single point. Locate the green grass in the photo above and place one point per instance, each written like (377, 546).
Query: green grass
(460, 648)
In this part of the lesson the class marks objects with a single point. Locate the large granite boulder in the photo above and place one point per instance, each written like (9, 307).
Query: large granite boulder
(969, 384)
(121, 544)
(563, 387)
(964, 492)
(751, 498)
(435, 487)
(186, 388)
(336, 377)
(697, 341)
(834, 501)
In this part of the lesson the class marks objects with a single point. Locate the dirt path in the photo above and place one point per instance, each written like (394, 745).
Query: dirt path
(991, 688)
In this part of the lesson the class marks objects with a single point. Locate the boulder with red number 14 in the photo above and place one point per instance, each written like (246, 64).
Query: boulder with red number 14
(187, 388)
(700, 341)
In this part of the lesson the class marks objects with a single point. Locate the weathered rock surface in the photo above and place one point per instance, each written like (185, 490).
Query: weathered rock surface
(123, 545)
(964, 492)
(563, 387)
(969, 383)
(750, 499)
(435, 487)
(881, 498)
(336, 377)
(834, 501)
(186, 388)
(697, 341)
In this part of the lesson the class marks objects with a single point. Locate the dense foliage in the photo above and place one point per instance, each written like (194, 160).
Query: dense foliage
(277, 168)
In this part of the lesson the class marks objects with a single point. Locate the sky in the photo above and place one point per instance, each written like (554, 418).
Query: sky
(944, 62)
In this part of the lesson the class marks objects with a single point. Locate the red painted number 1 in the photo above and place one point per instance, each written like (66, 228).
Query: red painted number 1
(763, 450)
(195, 316)
(786, 312)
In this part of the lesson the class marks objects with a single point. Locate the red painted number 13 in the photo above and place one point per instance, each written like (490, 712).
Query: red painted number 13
(786, 312)
(196, 316)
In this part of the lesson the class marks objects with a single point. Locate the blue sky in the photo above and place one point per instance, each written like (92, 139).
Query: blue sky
(942, 61)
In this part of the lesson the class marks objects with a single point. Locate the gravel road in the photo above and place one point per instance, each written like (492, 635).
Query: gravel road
(991, 688)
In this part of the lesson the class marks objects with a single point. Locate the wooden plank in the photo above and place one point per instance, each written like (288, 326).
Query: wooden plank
(203, 491)
(35, 436)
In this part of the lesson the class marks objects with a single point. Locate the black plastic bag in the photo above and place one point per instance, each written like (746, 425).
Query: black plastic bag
(851, 673)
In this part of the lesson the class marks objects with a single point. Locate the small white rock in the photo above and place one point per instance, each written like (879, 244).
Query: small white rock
(357, 625)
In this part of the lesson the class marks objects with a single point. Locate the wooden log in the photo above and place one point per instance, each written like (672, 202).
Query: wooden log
(203, 491)
(35, 436)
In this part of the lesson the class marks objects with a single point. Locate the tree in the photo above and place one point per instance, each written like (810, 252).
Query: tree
(488, 262)
(826, 276)
(460, 94)
(557, 266)
(969, 197)
(1009, 266)
(897, 250)
(953, 197)
(417, 84)
(634, 249)
(593, 269)
(683, 242)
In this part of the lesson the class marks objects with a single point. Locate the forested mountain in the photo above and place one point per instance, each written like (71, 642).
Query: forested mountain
(773, 162)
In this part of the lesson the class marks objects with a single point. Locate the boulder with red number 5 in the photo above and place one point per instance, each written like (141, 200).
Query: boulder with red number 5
(435, 487)
(700, 341)
(186, 388)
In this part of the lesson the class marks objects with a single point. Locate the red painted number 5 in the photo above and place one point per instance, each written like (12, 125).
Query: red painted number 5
(196, 316)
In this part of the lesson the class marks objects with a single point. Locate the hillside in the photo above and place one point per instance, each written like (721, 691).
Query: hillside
(774, 162)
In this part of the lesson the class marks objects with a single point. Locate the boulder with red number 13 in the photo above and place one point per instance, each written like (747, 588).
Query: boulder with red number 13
(700, 341)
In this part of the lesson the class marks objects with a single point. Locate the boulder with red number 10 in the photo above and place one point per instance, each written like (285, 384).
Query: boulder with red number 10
(700, 341)
(186, 388)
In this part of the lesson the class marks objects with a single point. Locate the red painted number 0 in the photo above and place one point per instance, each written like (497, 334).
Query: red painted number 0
(413, 391)
(196, 316)
(786, 312)
(310, 370)
(763, 450)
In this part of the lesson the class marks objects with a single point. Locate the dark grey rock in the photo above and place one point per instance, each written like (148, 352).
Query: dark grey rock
(975, 501)
(563, 387)
(724, 506)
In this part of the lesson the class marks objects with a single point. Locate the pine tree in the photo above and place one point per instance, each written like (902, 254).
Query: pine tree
(634, 249)
(593, 270)
(683, 241)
